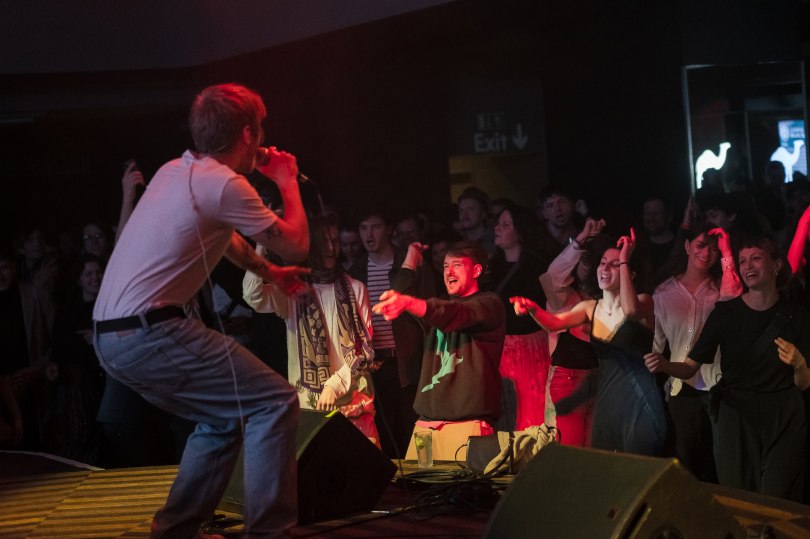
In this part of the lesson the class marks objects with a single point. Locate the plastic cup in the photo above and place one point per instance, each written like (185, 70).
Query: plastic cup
(424, 448)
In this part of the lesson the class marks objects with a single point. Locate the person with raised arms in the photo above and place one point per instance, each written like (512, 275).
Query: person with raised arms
(460, 385)
(629, 414)
(757, 409)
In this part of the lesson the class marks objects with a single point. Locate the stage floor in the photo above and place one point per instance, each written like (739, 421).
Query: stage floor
(120, 503)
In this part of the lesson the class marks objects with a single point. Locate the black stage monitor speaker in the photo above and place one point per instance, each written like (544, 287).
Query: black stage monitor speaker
(339, 470)
(571, 492)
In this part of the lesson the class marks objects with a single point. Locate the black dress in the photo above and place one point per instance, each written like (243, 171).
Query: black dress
(629, 415)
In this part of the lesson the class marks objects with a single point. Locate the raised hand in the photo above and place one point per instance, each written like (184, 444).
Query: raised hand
(131, 179)
(789, 353)
(523, 306)
(591, 229)
(414, 257)
(282, 167)
(626, 245)
(45, 278)
(655, 362)
(723, 242)
(690, 213)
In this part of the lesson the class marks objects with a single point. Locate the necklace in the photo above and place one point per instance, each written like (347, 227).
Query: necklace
(609, 313)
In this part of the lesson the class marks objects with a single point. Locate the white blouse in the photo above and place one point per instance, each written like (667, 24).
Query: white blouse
(680, 316)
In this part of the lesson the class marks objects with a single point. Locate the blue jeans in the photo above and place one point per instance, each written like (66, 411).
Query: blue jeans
(182, 367)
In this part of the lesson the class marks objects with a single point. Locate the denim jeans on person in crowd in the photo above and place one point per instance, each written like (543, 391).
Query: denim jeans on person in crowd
(182, 367)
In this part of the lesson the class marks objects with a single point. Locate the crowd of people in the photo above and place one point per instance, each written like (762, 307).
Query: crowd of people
(684, 339)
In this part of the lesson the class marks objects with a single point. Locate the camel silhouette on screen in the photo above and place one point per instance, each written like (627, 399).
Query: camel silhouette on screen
(788, 159)
(709, 160)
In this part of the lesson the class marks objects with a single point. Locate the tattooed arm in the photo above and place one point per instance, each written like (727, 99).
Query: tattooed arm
(285, 278)
(287, 237)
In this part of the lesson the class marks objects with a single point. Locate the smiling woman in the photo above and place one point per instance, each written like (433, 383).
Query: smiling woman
(683, 302)
(758, 411)
(629, 414)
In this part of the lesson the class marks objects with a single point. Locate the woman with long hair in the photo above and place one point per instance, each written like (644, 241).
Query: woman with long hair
(525, 360)
(696, 279)
(629, 415)
(328, 331)
(757, 407)
(36, 265)
(572, 377)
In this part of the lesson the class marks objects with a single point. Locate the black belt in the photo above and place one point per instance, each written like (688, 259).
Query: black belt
(385, 352)
(135, 322)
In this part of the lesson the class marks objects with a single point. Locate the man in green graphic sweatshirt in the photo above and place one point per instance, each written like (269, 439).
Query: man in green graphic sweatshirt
(460, 386)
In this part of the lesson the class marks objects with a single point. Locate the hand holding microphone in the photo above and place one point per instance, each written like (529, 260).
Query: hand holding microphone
(281, 167)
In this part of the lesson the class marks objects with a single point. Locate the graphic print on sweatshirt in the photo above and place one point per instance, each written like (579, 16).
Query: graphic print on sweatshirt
(449, 360)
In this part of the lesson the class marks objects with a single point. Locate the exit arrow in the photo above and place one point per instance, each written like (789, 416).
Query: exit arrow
(520, 139)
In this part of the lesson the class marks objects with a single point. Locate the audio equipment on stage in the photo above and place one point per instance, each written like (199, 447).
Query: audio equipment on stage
(574, 492)
(339, 470)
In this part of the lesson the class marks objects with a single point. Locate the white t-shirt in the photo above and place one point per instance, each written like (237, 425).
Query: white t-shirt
(159, 260)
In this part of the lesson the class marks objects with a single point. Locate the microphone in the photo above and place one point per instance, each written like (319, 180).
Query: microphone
(263, 158)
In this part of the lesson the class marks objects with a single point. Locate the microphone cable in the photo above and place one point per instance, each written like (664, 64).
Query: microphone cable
(197, 209)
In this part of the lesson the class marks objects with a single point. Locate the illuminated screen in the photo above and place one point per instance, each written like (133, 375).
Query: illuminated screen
(791, 151)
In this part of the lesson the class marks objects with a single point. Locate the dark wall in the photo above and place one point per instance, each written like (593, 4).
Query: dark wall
(615, 118)
(366, 109)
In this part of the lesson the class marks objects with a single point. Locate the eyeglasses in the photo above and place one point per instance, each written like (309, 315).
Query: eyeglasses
(93, 236)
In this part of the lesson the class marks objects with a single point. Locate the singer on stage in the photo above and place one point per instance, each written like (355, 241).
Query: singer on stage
(183, 225)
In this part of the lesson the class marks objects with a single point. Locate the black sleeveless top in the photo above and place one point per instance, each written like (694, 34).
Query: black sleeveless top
(573, 353)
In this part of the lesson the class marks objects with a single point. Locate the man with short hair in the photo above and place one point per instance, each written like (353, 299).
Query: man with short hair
(351, 247)
(185, 222)
(558, 211)
(410, 229)
(720, 211)
(397, 344)
(473, 208)
(657, 221)
(460, 386)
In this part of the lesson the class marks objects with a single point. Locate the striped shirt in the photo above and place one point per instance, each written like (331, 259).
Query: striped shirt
(383, 335)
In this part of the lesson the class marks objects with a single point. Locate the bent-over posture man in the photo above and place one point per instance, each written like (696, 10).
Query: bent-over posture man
(182, 226)
(460, 387)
